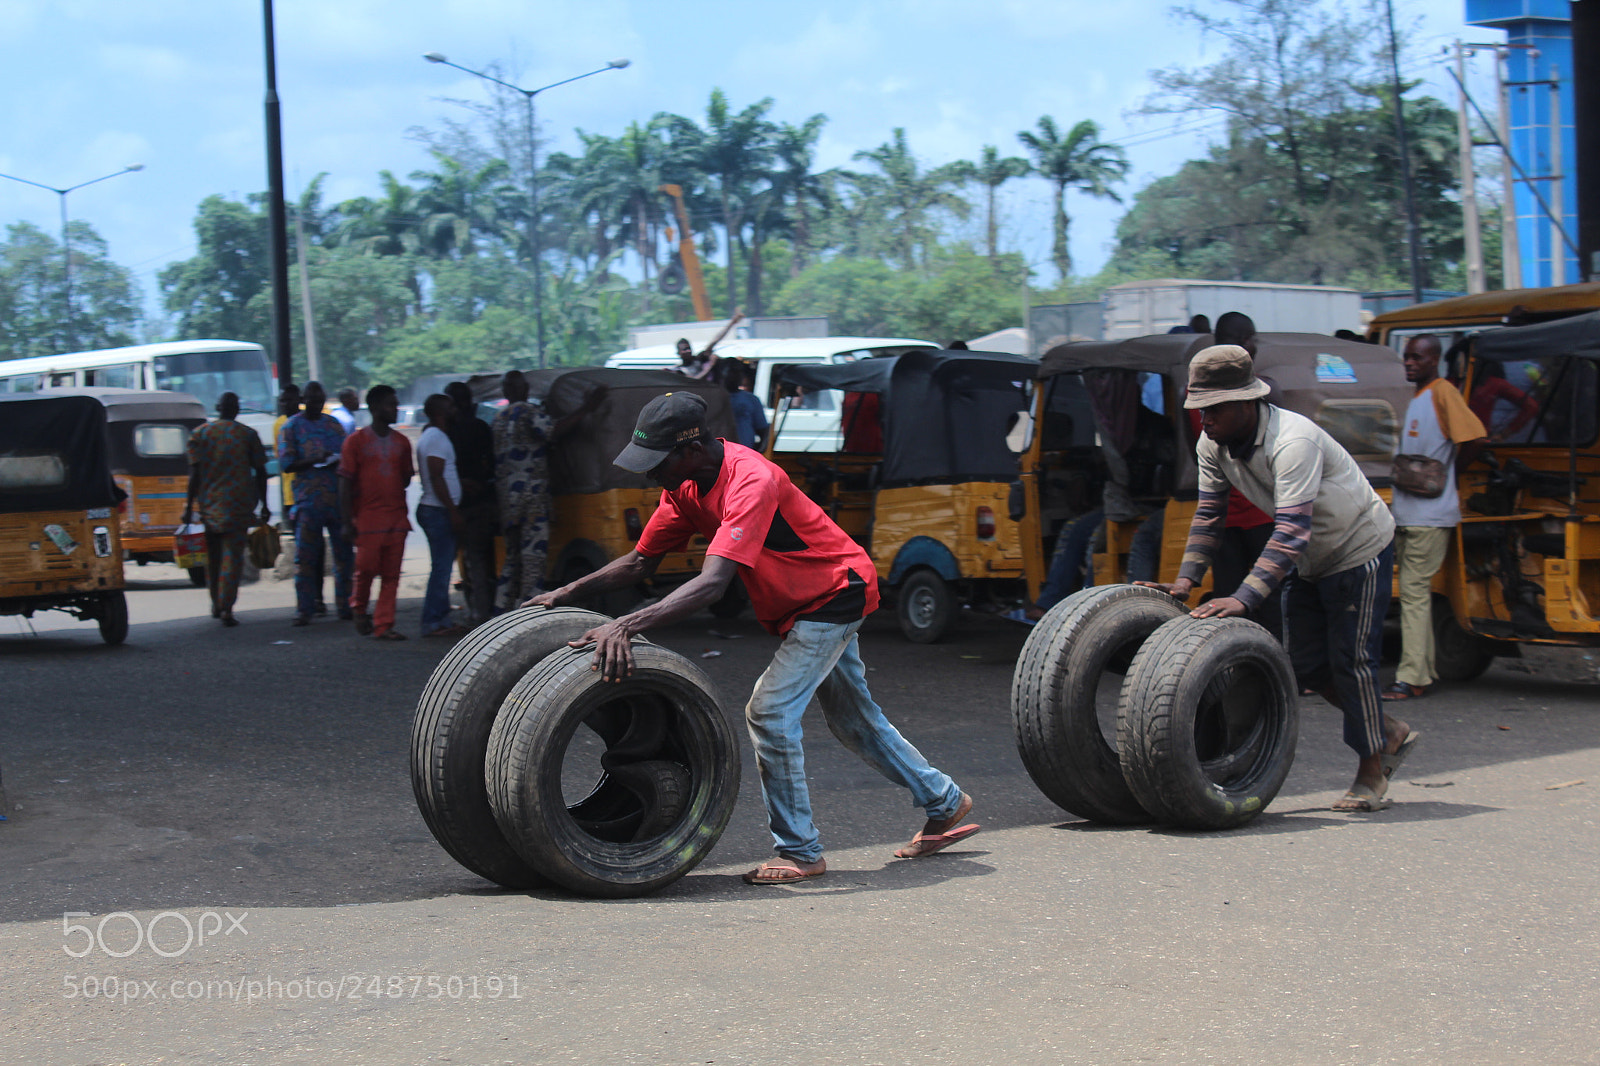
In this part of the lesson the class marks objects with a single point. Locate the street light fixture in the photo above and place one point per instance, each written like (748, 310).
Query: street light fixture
(533, 174)
(66, 251)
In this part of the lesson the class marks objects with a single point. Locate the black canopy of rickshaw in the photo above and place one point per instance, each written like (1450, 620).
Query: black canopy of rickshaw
(945, 414)
(127, 409)
(582, 461)
(1337, 383)
(1577, 336)
(71, 428)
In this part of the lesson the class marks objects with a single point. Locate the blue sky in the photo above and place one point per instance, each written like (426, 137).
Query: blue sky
(91, 86)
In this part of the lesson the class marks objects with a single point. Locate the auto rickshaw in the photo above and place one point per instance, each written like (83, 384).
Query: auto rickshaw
(60, 535)
(924, 477)
(600, 509)
(1524, 566)
(148, 435)
(1132, 392)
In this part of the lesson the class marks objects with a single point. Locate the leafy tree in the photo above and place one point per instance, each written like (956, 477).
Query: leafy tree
(105, 307)
(1076, 160)
(214, 292)
(906, 198)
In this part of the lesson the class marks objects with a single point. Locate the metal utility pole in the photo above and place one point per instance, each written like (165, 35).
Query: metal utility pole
(1586, 119)
(1510, 240)
(313, 364)
(1469, 182)
(1558, 249)
(278, 235)
(1413, 231)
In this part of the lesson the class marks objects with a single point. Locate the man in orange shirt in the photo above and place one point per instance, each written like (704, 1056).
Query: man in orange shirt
(374, 469)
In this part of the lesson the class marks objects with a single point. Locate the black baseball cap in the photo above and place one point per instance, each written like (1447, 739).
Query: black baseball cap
(666, 422)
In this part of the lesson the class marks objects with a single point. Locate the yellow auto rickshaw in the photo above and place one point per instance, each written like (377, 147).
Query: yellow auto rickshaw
(148, 436)
(923, 475)
(60, 535)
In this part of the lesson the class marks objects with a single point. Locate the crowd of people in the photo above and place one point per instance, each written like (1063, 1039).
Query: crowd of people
(344, 487)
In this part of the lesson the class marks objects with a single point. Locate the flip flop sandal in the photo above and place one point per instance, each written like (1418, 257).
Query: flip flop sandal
(1400, 690)
(787, 870)
(1391, 760)
(1366, 801)
(924, 844)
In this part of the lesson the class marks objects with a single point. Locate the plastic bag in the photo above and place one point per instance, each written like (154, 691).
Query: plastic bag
(189, 546)
(265, 546)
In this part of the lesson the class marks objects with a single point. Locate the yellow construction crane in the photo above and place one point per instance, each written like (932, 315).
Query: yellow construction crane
(688, 262)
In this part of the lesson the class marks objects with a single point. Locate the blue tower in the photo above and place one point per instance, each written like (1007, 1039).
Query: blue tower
(1544, 25)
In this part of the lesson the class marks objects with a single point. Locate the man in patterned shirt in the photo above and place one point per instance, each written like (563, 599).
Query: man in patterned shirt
(523, 433)
(228, 475)
(1332, 550)
(309, 449)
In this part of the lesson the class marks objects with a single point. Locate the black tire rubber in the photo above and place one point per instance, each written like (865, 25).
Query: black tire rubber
(197, 576)
(1208, 722)
(450, 733)
(733, 601)
(1063, 746)
(113, 618)
(667, 784)
(1457, 654)
(925, 607)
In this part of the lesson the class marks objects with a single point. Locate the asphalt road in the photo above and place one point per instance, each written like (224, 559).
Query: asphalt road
(253, 783)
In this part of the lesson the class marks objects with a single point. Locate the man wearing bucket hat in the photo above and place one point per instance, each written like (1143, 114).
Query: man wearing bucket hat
(808, 582)
(1331, 550)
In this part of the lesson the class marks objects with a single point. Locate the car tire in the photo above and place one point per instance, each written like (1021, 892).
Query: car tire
(925, 607)
(662, 792)
(1208, 722)
(113, 618)
(1055, 713)
(450, 733)
(1457, 654)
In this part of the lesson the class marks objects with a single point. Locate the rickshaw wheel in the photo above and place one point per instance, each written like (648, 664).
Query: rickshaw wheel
(1457, 654)
(113, 617)
(197, 576)
(1208, 722)
(925, 607)
(613, 789)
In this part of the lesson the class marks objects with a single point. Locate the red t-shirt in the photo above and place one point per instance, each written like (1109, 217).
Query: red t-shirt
(379, 469)
(796, 563)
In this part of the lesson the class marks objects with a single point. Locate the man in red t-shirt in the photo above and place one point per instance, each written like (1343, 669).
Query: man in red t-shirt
(374, 469)
(808, 582)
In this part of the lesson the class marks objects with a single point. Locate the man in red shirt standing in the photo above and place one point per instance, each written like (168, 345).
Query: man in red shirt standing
(808, 582)
(374, 469)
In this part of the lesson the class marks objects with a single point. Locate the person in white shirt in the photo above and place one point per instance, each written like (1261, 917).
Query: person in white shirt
(437, 513)
(1439, 426)
(344, 412)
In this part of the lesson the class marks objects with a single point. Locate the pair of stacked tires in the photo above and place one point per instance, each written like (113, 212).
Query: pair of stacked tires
(490, 766)
(1206, 714)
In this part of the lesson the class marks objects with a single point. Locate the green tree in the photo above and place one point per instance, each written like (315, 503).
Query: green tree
(214, 292)
(1077, 160)
(907, 199)
(105, 307)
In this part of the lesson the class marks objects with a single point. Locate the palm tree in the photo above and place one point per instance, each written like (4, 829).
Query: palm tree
(1080, 160)
(456, 202)
(796, 148)
(904, 196)
(991, 172)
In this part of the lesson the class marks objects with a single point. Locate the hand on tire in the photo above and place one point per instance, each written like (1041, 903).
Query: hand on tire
(1220, 607)
(613, 650)
(1178, 590)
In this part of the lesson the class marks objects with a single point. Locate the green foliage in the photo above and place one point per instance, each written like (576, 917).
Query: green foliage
(214, 293)
(33, 295)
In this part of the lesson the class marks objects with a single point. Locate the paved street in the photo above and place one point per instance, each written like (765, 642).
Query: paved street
(254, 781)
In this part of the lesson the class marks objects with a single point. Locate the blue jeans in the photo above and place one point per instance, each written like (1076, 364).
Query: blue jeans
(309, 525)
(825, 660)
(435, 523)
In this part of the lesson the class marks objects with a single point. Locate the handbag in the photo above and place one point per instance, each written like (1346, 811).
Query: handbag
(265, 546)
(189, 546)
(1419, 475)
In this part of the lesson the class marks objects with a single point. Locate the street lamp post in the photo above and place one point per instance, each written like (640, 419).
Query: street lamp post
(533, 175)
(66, 250)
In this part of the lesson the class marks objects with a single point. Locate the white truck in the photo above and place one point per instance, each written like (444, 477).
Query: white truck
(1140, 308)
